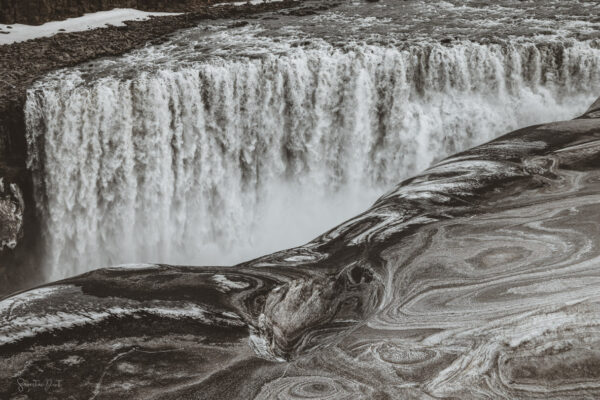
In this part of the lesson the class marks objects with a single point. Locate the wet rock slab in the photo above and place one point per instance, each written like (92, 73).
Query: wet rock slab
(476, 279)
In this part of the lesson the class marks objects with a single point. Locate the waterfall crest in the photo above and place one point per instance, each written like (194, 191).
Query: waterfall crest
(229, 158)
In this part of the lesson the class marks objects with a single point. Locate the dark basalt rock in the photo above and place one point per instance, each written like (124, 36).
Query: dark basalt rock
(12, 208)
(476, 279)
(34, 12)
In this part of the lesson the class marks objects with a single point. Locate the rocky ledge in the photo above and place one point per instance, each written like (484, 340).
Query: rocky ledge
(477, 279)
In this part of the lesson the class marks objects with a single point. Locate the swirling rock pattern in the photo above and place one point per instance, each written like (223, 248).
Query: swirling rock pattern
(476, 279)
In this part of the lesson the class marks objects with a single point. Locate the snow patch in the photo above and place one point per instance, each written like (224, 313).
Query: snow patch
(226, 285)
(20, 33)
(249, 2)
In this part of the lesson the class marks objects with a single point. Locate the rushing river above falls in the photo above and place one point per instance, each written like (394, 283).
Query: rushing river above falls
(238, 138)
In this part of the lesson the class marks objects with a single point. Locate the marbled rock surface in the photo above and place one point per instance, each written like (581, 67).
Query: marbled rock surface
(477, 279)
(12, 208)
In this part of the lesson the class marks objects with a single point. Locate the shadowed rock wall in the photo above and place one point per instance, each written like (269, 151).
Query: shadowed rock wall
(11, 214)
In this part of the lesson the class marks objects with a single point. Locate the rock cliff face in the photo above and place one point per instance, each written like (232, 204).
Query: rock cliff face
(34, 12)
(476, 279)
(12, 207)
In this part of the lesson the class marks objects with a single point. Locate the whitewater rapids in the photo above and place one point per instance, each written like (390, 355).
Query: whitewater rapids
(196, 153)
(227, 159)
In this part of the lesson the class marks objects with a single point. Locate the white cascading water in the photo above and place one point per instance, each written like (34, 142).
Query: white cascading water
(230, 158)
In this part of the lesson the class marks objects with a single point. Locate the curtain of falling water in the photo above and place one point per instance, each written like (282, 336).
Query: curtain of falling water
(231, 158)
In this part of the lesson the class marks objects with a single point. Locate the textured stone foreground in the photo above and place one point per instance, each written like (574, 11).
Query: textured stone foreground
(479, 278)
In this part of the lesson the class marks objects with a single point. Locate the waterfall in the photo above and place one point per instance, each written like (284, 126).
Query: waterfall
(226, 158)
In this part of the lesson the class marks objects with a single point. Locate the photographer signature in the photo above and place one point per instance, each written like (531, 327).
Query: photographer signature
(47, 385)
